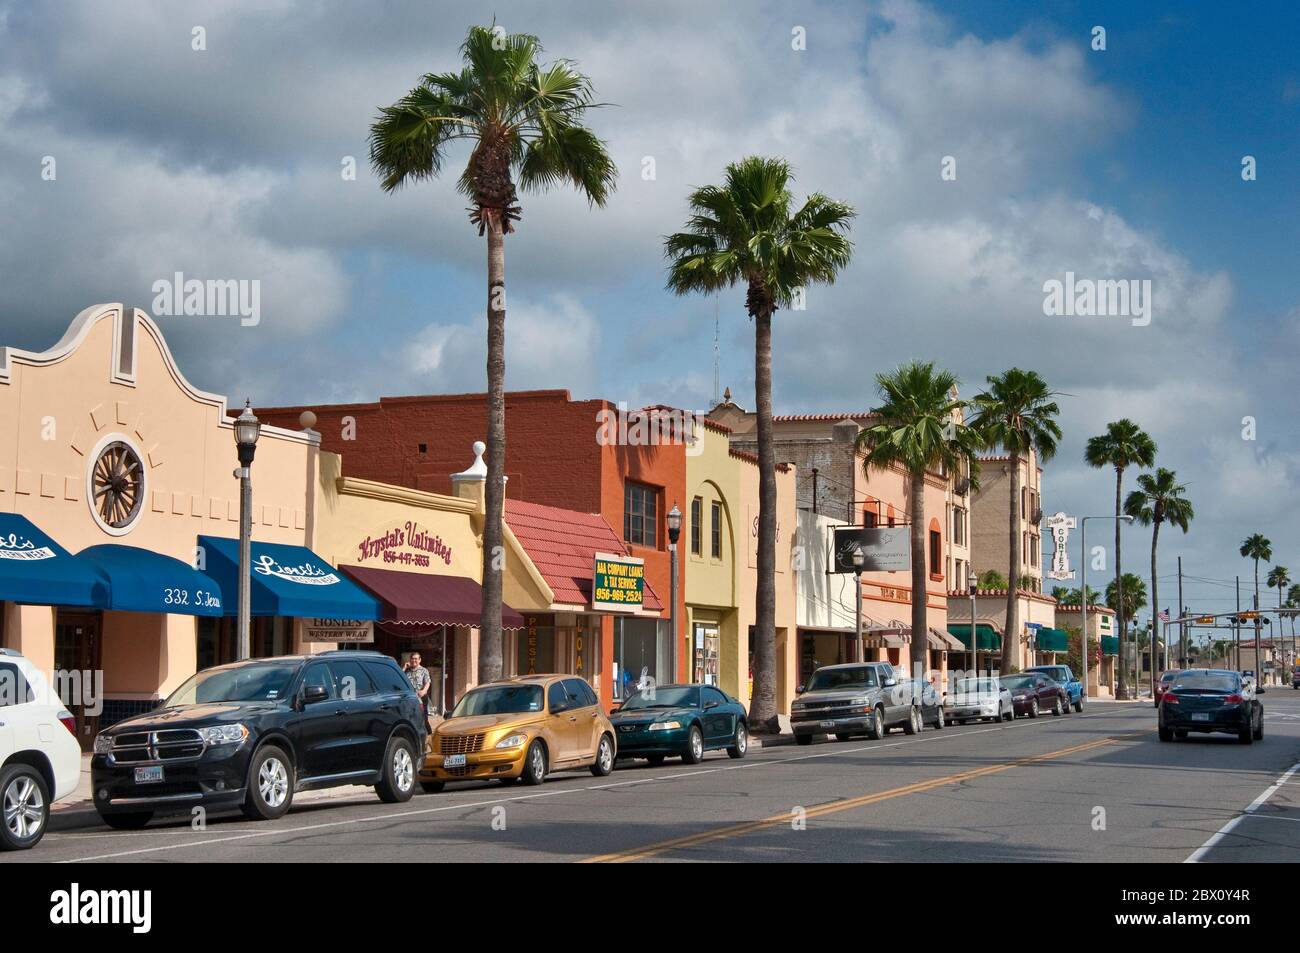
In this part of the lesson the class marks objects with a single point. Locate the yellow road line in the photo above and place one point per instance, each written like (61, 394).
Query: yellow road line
(833, 807)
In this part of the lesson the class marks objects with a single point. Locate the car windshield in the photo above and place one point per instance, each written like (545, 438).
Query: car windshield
(1207, 682)
(499, 700)
(256, 682)
(858, 676)
(1017, 681)
(967, 686)
(1168, 676)
(670, 696)
(1056, 673)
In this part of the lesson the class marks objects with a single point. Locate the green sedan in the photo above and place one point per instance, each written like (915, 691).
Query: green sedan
(666, 721)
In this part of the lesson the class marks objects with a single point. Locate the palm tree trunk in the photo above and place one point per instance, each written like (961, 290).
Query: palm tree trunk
(489, 646)
(1011, 630)
(1119, 593)
(762, 712)
(920, 556)
(1258, 647)
(1155, 604)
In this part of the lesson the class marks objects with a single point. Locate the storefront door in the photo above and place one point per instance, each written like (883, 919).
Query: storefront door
(78, 647)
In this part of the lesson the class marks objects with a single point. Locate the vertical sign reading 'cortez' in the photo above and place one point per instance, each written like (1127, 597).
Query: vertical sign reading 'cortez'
(618, 583)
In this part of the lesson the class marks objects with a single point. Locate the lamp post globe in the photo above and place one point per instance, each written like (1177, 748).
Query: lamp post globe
(674, 520)
(247, 429)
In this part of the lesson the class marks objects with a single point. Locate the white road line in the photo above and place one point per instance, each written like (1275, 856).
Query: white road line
(1255, 805)
(681, 775)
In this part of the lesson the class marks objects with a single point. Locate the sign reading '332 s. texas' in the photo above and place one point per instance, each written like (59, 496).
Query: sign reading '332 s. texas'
(618, 583)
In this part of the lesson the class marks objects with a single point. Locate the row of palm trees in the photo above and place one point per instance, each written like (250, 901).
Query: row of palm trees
(1257, 547)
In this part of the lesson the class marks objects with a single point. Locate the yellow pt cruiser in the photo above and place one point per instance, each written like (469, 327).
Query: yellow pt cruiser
(521, 729)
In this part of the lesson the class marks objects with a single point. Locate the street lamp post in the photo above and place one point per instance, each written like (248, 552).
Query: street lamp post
(674, 532)
(970, 591)
(1083, 597)
(247, 429)
(859, 561)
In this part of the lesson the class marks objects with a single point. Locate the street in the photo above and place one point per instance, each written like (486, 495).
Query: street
(1096, 786)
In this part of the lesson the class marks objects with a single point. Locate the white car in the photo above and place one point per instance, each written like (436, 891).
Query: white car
(975, 699)
(40, 760)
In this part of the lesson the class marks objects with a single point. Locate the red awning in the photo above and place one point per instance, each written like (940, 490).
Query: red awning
(417, 599)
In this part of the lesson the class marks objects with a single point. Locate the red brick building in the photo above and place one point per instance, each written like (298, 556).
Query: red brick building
(556, 456)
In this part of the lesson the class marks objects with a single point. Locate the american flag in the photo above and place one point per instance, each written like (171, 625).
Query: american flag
(1164, 615)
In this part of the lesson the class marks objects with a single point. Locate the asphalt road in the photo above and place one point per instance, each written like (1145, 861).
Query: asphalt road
(1096, 786)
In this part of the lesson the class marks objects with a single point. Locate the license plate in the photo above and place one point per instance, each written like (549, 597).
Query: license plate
(146, 775)
(828, 724)
(1200, 716)
(454, 761)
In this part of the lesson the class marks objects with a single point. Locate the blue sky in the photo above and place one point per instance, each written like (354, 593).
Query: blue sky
(1117, 164)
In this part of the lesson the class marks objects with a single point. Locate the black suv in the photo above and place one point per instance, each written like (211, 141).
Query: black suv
(251, 733)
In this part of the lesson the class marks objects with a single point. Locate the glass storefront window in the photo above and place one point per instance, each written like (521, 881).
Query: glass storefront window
(640, 651)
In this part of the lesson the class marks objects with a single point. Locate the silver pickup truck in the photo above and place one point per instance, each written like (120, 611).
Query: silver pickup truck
(855, 698)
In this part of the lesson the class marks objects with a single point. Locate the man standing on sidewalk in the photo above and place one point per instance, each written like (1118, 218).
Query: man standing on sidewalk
(422, 682)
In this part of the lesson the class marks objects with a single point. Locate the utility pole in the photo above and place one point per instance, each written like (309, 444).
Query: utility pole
(1182, 626)
(1236, 627)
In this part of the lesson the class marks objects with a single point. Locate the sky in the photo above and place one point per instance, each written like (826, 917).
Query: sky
(141, 139)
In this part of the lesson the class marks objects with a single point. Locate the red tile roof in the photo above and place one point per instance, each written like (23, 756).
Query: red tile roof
(563, 544)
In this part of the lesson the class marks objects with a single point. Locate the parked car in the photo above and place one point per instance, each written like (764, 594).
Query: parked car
(40, 760)
(1295, 676)
(926, 697)
(1211, 700)
(251, 734)
(1064, 675)
(1163, 685)
(977, 699)
(1033, 693)
(521, 729)
(852, 699)
(680, 721)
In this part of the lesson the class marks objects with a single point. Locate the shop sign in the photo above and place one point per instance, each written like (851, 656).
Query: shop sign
(338, 630)
(304, 574)
(15, 546)
(618, 583)
(405, 545)
(1059, 525)
(887, 548)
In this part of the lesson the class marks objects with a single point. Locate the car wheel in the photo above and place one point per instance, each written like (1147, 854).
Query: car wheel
(1246, 735)
(1057, 707)
(655, 760)
(938, 720)
(26, 804)
(1078, 706)
(694, 752)
(1165, 734)
(798, 739)
(127, 822)
(270, 784)
(913, 725)
(1009, 715)
(1259, 732)
(843, 736)
(435, 787)
(740, 744)
(876, 727)
(534, 764)
(604, 763)
(397, 781)
(1033, 708)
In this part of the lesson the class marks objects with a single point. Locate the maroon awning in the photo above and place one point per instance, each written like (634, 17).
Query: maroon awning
(417, 599)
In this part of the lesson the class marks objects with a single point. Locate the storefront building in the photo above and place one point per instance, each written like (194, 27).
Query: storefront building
(114, 467)
(1103, 644)
(1037, 643)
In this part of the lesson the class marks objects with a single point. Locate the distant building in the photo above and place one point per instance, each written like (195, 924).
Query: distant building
(991, 521)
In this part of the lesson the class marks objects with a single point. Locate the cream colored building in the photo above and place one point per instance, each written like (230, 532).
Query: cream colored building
(990, 520)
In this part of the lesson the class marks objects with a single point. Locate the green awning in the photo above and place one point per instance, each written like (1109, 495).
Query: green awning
(1053, 640)
(1110, 645)
(987, 638)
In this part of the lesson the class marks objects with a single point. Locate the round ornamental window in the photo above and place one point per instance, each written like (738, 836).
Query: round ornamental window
(117, 485)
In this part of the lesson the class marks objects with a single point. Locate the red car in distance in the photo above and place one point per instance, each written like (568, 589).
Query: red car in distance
(1162, 686)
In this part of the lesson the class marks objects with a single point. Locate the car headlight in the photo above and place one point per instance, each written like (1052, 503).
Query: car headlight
(103, 744)
(665, 726)
(223, 734)
(516, 740)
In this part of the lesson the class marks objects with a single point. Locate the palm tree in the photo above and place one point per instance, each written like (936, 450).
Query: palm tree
(1160, 499)
(1278, 577)
(748, 231)
(917, 429)
(525, 123)
(1127, 596)
(1018, 414)
(1257, 547)
(1123, 445)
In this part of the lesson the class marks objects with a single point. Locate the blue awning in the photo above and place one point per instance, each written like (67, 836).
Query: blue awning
(140, 580)
(36, 569)
(287, 581)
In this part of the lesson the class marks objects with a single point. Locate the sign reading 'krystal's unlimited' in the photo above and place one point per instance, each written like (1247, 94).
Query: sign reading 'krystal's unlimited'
(618, 583)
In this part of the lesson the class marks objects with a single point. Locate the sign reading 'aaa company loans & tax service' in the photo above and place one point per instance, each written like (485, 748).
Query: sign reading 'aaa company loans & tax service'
(618, 583)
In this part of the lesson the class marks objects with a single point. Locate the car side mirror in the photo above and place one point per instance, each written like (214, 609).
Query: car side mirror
(891, 682)
(800, 690)
(314, 693)
(708, 705)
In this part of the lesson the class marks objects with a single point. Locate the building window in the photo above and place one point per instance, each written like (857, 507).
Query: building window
(1023, 497)
(715, 544)
(869, 517)
(697, 517)
(958, 526)
(640, 514)
(936, 552)
(1024, 548)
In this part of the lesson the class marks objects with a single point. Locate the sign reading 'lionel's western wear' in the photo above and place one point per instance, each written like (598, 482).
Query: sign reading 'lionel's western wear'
(618, 583)
(338, 630)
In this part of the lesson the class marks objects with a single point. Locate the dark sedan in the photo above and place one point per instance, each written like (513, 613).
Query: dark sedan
(1210, 700)
(684, 721)
(1033, 693)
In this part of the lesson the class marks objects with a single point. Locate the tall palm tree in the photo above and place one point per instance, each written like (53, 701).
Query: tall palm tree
(1278, 578)
(1293, 601)
(748, 231)
(1017, 413)
(1123, 445)
(917, 428)
(1257, 547)
(524, 122)
(1127, 596)
(1160, 499)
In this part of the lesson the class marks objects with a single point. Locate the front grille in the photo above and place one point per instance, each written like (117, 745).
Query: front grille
(172, 744)
(460, 744)
(829, 711)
